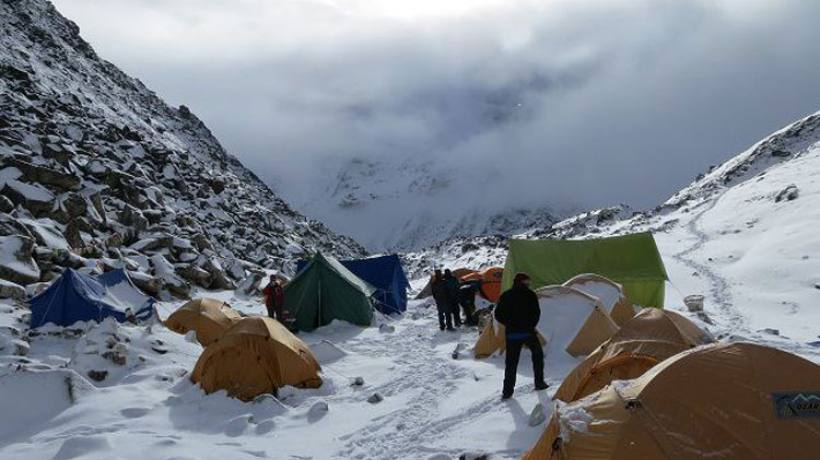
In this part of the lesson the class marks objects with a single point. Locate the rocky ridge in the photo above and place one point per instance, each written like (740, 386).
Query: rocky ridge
(98, 173)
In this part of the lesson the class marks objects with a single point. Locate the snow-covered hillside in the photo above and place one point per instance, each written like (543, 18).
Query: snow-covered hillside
(744, 234)
(96, 171)
(416, 202)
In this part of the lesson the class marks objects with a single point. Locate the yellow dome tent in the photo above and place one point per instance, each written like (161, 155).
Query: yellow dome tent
(610, 293)
(737, 401)
(647, 339)
(210, 318)
(490, 340)
(255, 356)
(573, 321)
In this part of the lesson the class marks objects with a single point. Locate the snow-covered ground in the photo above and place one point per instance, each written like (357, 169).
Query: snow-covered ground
(434, 406)
(147, 407)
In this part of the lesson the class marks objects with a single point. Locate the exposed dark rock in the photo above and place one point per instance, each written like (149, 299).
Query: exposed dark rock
(789, 193)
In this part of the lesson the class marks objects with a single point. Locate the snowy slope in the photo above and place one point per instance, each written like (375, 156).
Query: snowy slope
(97, 171)
(746, 235)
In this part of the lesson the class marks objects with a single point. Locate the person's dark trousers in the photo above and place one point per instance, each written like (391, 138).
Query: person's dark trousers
(455, 310)
(513, 354)
(469, 313)
(444, 319)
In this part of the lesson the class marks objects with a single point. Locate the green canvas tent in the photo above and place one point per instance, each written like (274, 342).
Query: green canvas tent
(325, 290)
(631, 260)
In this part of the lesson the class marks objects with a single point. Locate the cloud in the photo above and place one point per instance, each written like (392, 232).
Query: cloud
(568, 103)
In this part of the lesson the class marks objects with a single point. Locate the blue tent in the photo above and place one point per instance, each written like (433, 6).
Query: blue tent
(386, 274)
(78, 297)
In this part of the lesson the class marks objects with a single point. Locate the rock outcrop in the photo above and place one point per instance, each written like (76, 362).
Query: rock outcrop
(97, 172)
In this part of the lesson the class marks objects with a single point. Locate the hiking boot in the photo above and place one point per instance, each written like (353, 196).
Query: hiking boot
(506, 396)
(541, 386)
(451, 329)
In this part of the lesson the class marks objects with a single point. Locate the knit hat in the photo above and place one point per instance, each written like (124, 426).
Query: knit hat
(520, 277)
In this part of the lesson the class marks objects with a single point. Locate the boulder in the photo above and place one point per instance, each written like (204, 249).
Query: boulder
(235, 269)
(73, 236)
(36, 288)
(6, 205)
(10, 224)
(164, 270)
(69, 259)
(789, 193)
(115, 240)
(69, 206)
(16, 262)
(194, 274)
(46, 233)
(97, 376)
(154, 243)
(34, 198)
(133, 217)
(201, 242)
(251, 284)
(220, 278)
(147, 283)
(9, 290)
(44, 175)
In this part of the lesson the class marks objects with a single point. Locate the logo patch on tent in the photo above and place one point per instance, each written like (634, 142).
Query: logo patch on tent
(797, 404)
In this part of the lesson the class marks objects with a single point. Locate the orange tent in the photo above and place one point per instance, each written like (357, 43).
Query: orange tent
(210, 318)
(652, 336)
(490, 279)
(255, 356)
(736, 401)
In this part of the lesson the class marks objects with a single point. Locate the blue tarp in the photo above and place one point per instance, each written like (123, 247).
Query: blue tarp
(78, 297)
(386, 274)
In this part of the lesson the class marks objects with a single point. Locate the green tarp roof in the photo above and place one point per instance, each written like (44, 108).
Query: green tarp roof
(631, 260)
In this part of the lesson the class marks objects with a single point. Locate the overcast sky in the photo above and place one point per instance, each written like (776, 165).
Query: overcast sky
(572, 102)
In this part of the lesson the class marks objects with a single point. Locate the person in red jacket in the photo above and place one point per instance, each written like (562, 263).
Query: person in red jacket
(275, 299)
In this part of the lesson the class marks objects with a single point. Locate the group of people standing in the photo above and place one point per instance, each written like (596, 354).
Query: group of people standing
(451, 297)
(517, 310)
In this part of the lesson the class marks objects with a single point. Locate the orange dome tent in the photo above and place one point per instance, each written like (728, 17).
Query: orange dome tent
(256, 356)
(737, 401)
(210, 318)
(642, 342)
(490, 279)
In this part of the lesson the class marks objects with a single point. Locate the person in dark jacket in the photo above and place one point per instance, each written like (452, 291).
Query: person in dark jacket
(453, 296)
(440, 295)
(467, 292)
(519, 312)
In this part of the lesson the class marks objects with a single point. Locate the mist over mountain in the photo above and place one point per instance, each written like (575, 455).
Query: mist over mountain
(533, 105)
